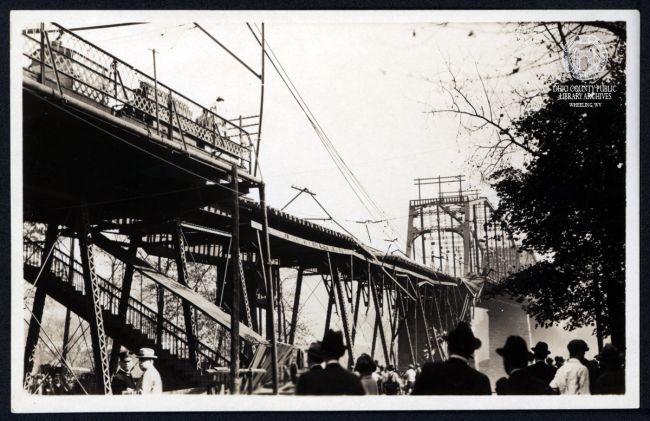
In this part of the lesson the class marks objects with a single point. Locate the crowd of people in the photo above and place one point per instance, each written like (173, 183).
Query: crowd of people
(135, 375)
(52, 380)
(528, 371)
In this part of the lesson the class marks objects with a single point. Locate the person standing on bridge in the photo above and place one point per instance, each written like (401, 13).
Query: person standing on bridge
(150, 383)
(454, 376)
(333, 379)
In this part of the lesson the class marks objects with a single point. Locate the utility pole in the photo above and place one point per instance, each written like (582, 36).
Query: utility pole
(155, 89)
(236, 287)
(269, 290)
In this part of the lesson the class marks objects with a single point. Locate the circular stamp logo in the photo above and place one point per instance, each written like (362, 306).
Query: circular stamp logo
(585, 57)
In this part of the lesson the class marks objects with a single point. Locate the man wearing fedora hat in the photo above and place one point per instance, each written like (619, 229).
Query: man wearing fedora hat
(150, 383)
(454, 376)
(540, 368)
(520, 381)
(333, 379)
(573, 377)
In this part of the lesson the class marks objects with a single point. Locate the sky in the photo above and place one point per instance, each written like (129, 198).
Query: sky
(371, 87)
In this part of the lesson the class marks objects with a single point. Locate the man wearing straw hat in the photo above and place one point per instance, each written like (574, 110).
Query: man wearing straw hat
(150, 383)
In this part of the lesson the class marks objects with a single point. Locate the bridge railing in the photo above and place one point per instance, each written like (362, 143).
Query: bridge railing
(138, 314)
(59, 56)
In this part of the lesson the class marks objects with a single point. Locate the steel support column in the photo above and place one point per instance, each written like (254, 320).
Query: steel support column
(336, 283)
(424, 322)
(275, 277)
(188, 314)
(374, 337)
(394, 326)
(375, 299)
(355, 318)
(236, 286)
(408, 332)
(66, 336)
(66, 323)
(96, 321)
(330, 304)
(160, 314)
(269, 289)
(296, 306)
(123, 305)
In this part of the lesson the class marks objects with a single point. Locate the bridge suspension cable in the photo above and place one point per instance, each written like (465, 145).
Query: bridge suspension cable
(353, 182)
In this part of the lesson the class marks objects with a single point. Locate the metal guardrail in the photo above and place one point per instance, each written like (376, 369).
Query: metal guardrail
(58, 56)
(138, 314)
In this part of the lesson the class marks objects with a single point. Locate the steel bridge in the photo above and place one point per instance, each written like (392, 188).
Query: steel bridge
(459, 236)
(118, 165)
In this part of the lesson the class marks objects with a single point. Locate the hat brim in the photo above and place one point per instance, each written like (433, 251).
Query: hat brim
(540, 351)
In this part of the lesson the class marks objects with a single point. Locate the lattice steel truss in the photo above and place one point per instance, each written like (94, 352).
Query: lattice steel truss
(98, 335)
(188, 313)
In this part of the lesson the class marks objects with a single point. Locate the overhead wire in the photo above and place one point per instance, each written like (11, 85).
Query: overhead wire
(353, 182)
(327, 142)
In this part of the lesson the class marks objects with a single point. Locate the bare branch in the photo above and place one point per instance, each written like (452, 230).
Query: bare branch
(492, 123)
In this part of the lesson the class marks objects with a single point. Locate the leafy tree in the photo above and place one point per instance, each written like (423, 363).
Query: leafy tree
(568, 201)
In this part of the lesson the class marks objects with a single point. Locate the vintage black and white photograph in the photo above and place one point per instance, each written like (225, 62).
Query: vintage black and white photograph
(324, 210)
